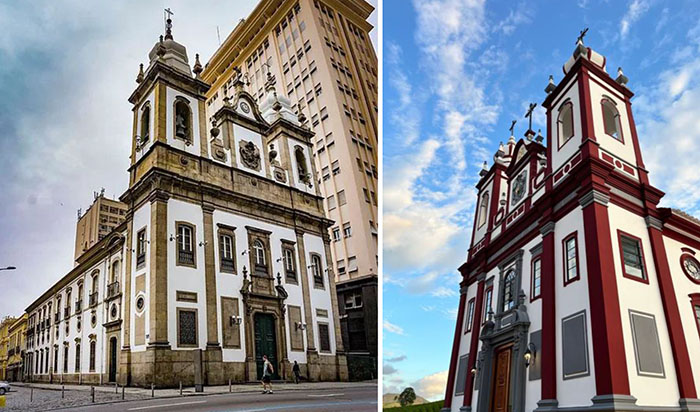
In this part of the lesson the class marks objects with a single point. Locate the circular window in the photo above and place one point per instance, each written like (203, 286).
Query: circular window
(78, 325)
(140, 302)
(245, 107)
(93, 320)
(113, 311)
(691, 267)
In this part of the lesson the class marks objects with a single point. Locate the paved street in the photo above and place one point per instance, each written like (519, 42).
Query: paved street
(245, 398)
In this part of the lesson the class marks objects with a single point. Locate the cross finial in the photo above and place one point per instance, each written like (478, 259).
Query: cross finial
(529, 114)
(167, 13)
(512, 126)
(581, 35)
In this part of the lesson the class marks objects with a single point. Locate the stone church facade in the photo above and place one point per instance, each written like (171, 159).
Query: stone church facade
(223, 256)
(580, 292)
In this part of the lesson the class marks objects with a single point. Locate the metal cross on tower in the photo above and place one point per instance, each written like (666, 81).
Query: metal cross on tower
(167, 14)
(512, 126)
(529, 114)
(581, 35)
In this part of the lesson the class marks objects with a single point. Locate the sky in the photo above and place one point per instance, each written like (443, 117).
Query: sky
(67, 68)
(456, 72)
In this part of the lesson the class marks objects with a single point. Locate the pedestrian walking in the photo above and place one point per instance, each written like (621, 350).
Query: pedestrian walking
(295, 369)
(268, 370)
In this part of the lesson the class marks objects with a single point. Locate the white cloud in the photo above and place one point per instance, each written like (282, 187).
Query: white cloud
(635, 10)
(390, 327)
(431, 387)
(443, 292)
(521, 15)
(388, 369)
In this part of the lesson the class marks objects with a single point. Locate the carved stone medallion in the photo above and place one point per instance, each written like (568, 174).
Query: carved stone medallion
(518, 189)
(250, 155)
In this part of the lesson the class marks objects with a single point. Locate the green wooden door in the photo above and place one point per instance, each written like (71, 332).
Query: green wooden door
(265, 342)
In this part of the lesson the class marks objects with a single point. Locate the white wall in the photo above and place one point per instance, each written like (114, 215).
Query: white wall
(320, 298)
(141, 220)
(559, 157)
(242, 133)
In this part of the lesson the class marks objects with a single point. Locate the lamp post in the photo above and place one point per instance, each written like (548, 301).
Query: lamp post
(9, 268)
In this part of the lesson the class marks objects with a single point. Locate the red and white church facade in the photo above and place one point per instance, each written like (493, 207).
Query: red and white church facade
(579, 292)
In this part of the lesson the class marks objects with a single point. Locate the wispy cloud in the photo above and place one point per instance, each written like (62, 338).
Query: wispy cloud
(390, 327)
(520, 15)
(635, 10)
(431, 387)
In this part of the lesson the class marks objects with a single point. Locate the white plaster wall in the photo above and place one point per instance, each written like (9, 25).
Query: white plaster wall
(295, 167)
(194, 148)
(320, 298)
(141, 220)
(683, 287)
(569, 300)
(533, 389)
(559, 157)
(624, 151)
(185, 278)
(230, 285)
(645, 298)
(464, 341)
(149, 100)
(242, 133)
(480, 232)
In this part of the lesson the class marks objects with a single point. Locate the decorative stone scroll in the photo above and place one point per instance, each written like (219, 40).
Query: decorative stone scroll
(250, 155)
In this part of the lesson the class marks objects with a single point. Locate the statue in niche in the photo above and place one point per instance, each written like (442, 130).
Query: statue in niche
(304, 175)
(250, 155)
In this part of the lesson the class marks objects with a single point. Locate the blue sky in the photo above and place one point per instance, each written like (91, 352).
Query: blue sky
(67, 69)
(456, 72)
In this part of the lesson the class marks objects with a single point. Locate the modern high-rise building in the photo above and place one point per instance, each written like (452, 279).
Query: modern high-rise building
(322, 56)
(100, 218)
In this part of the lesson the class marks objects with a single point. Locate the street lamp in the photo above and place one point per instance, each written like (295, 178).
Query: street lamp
(9, 268)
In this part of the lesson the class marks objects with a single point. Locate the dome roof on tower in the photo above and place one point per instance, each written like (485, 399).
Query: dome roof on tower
(170, 52)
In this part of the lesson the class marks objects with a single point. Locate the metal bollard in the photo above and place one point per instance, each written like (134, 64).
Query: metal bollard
(116, 388)
(122, 392)
(229, 385)
(153, 390)
(92, 393)
(63, 391)
(31, 395)
(180, 388)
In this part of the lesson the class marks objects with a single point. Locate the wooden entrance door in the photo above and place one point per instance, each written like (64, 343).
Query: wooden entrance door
(501, 380)
(265, 342)
(113, 359)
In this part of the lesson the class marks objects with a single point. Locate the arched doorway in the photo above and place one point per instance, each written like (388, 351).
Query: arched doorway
(265, 342)
(113, 359)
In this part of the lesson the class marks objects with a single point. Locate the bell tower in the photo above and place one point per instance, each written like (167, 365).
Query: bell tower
(589, 114)
(168, 106)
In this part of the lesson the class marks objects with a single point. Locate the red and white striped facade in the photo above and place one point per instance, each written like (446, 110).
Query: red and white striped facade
(576, 200)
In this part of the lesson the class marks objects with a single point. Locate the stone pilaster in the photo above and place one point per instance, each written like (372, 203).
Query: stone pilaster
(210, 277)
(160, 111)
(308, 318)
(158, 301)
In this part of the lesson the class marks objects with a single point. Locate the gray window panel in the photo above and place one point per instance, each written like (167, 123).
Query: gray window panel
(461, 375)
(575, 346)
(535, 368)
(647, 349)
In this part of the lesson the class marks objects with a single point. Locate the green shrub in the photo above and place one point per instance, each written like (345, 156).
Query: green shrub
(426, 407)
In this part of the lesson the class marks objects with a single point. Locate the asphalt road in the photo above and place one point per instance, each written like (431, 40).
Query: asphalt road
(346, 399)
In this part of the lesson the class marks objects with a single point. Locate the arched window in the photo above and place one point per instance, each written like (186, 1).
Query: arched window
(302, 169)
(145, 122)
(259, 250)
(509, 293)
(95, 278)
(611, 119)
(317, 270)
(565, 123)
(115, 271)
(77, 357)
(92, 356)
(483, 210)
(183, 120)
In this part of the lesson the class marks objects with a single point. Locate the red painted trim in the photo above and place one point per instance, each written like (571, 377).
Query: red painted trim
(688, 250)
(645, 273)
(473, 348)
(565, 259)
(695, 301)
(561, 144)
(606, 323)
(681, 358)
(549, 319)
(584, 96)
(470, 322)
(455, 353)
(613, 105)
(533, 297)
(495, 197)
(635, 142)
(683, 258)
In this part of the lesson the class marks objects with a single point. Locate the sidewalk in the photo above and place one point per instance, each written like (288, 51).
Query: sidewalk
(208, 390)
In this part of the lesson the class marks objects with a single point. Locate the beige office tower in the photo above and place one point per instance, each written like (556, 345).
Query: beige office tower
(100, 218)
(322, 57)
